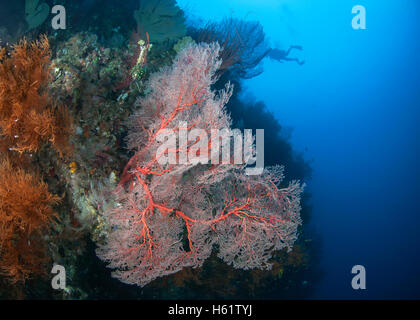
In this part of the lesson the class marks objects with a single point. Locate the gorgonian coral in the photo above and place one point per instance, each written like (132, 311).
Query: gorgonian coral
(243, 45)
(172, 216)
(28, 117)
(26, 214)
(161, 19)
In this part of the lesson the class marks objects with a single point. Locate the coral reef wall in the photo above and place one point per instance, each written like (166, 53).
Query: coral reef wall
(79, 110)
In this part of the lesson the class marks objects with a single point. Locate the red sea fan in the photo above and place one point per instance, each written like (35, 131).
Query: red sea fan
(171, 216)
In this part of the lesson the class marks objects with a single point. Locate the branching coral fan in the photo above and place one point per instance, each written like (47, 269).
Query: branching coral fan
(161, 19)
(25, 216)
(172, 216)
(243, 44)
(28, 117)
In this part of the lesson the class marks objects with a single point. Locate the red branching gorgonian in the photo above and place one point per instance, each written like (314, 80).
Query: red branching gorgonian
(171, 216)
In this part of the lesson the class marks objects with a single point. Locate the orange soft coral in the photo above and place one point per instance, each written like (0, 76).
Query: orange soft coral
(28, 117)
(26, 214)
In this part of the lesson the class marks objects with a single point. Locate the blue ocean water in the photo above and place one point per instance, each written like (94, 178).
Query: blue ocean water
(354, 110)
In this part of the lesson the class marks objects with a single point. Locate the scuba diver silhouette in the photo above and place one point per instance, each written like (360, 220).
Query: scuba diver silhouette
(282, 55)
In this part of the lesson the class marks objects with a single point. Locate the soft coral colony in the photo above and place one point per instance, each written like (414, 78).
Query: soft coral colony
(26, 212)
(173, 216)
(28, 117)
(28, 120)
